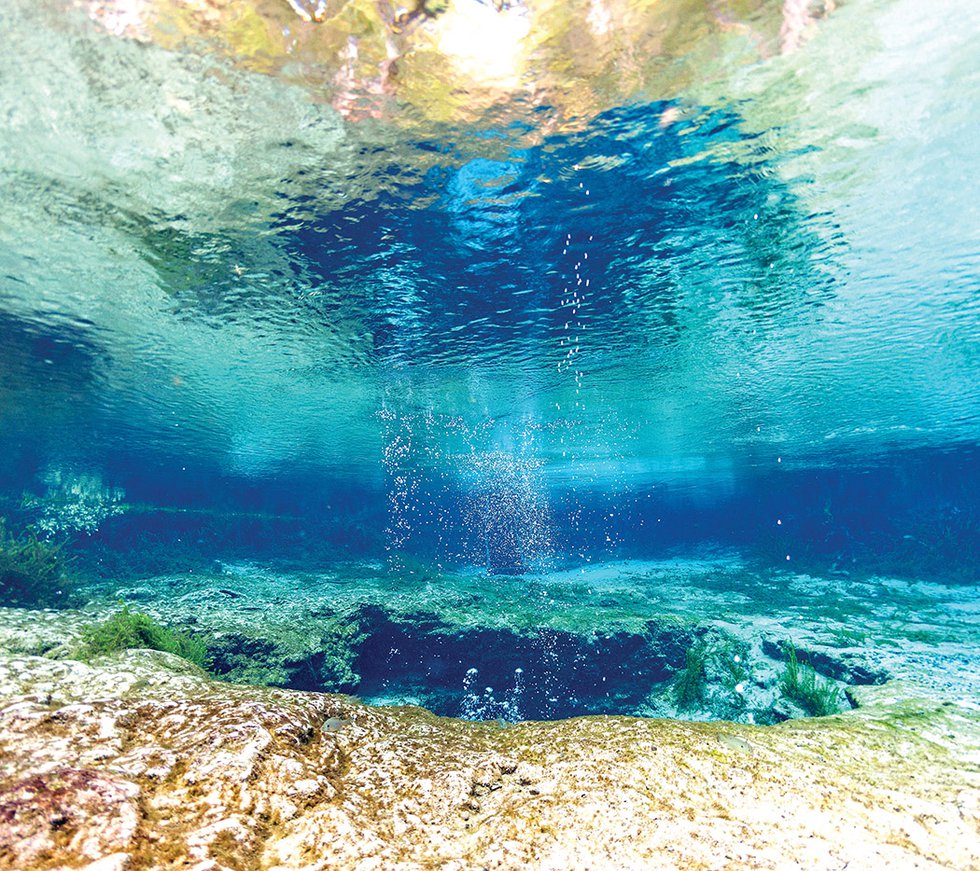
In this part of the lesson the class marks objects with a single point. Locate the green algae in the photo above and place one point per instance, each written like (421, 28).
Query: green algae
(316, 654)
(691, 681)
(33, 571)
(800, 683)
(128, 630)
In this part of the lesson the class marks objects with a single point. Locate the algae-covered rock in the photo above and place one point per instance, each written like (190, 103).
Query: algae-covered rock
(129, 762)
(319, 654)
(79, 812)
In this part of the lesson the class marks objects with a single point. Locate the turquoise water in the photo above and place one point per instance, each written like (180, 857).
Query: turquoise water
(477, 303)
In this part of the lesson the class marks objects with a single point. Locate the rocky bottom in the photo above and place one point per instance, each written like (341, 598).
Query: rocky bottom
(651, 667)
(691, 639)
(139, 760)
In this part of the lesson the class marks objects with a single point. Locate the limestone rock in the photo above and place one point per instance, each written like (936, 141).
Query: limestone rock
(128, 763)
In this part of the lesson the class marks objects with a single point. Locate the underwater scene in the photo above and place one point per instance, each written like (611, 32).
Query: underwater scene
(517, 360)
(613, 371)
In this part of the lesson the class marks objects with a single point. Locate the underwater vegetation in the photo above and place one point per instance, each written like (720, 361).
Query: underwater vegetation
(800, 684)
(33, 572)
(127, 630)
(690, 682)
(715, 678)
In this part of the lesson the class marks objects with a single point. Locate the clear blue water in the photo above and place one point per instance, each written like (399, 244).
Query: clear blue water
(634, 286)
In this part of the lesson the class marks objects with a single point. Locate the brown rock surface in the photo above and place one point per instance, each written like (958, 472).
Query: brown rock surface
(141, 761)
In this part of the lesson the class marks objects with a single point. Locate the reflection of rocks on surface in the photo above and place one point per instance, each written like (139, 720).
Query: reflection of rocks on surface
(452, 60)
(140, 764)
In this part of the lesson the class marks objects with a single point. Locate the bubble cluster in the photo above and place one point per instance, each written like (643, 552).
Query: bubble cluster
(484, 705)
(507, 516)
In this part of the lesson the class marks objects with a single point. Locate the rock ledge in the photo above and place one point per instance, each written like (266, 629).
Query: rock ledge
(141, 761)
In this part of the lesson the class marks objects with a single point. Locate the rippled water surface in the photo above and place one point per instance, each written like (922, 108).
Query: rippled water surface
(513, 286)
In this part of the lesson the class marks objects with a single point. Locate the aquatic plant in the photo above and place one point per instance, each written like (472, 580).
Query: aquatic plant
(801, 685)
(33, 572)
(845, 637)
(732, 659)
(689, 683)
(731, 664)
(127, 630)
